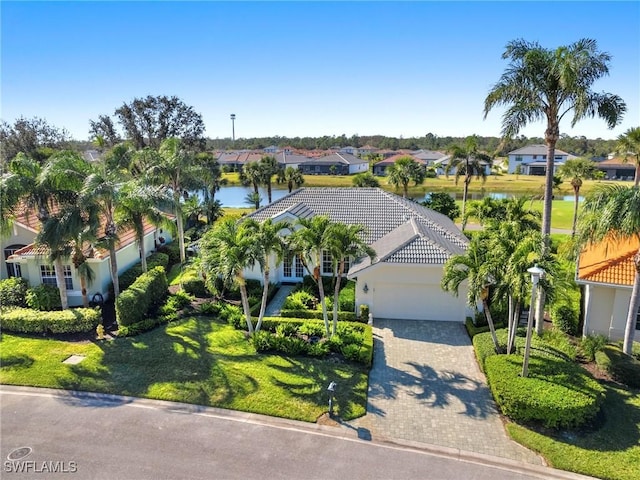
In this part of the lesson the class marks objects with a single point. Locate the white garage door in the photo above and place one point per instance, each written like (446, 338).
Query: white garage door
(416, 302)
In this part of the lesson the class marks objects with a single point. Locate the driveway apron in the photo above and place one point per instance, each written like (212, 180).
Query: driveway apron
(425, 386)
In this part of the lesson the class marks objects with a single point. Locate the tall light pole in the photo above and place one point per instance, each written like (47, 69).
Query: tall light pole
(233, 127)
(536, 274)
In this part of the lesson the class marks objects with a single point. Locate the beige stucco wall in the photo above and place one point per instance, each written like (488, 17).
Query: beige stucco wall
(606, 310)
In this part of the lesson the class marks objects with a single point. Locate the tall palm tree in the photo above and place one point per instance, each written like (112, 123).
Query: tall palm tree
(470, 162)
(577, 170)
(270, 246)
(628, 145)
(291, 176)
(310, 240)
(212, 182)
(138, 202)
(544, 84)
(173, 168)
(270, 167)
(404, 171)
(613, 211)
(251, 174)
(227, 250)
(345, 242)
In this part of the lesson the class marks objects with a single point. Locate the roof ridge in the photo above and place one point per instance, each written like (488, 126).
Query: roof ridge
(400, 246)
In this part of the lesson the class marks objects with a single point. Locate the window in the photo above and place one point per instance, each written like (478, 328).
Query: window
(518, 158)
(13, 269)
(558, 157)
(286, 266)
(544, 157)
(535, 156)
(48, 276)
(327, 266)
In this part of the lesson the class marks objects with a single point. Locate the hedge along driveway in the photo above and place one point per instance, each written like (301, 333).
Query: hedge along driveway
(196, 361)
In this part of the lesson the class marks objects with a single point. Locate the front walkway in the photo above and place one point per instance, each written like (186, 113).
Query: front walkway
(275, 305)
(425, 386)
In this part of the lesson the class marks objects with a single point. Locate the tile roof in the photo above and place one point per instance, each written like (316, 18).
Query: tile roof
(619, 162)
(336, 158)
(535, 150)
(391, 221)
(610, 261)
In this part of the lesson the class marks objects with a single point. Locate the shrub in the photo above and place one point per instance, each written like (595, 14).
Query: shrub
(262, 341)
(318, 349)
(556, 394)
(193, 283)
(13, 292)
(565, 318)
(43, 297)
(142, 298)
(210, 308)
(591, 345)
(312, 329)
(309, 284)
(347, 297)
(316, 314)
(126, 279)
(172, 251)
(623, 368)
(300, 300)
(473, 329)
(26, 320)
(286, 329)
(483, 345)
(364, 313)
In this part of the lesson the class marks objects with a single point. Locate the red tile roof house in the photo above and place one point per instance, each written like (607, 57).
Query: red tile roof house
(22, 257)
(607, 272)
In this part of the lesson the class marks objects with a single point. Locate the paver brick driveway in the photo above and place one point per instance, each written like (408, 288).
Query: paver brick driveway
(425, 386)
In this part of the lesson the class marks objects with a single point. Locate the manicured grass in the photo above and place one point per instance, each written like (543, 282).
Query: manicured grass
(610, 450)
(236, 212)
(197, 360)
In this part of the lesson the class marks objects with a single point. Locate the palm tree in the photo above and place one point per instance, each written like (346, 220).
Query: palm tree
(310, 240)
(174, 168)
(138, 202)
(253, 199)
(269, 244)
(629, 146)
(270, 167)
(403, 171)
(613, 211)
(227, 250)
(577, 170)
(251, 174)
(544, 84)
(291, 176)
(478, 268)
(345, 242)
(365, 179)
(470, 162)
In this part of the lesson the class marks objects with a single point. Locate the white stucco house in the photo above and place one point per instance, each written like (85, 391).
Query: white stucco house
(22, 257)
(607, 272)
(532, 160)
(412, 243)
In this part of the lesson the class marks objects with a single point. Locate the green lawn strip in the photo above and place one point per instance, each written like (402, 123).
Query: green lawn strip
(195, 361)
(174, 275)
(610, 450)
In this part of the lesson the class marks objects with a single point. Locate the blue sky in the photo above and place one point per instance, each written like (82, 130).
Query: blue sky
(299, 68)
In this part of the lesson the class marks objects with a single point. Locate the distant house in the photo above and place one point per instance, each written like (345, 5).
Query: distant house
(380, 168)
(287, 159)
(27, 259)
(350, 150)
(532, 160)
(411, 242)
(235, 160)
(607, 272)
(366, 150)
(615, 169)
(428, 156)
(335, 163)
(270, 150)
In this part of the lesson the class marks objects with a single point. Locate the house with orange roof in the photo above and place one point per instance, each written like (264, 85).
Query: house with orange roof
(607, 271)
(23, 257)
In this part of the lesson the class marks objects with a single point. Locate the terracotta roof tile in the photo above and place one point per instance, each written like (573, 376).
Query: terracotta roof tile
(610, 262)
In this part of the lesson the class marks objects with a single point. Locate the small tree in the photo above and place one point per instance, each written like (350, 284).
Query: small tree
(442, 203)
(577, 170)
(404, 171)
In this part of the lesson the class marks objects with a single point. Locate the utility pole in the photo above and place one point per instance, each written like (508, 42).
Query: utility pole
(233, 127)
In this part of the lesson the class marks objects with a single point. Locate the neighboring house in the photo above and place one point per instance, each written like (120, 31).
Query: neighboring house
(366, 150)
(287, 159)
(533, 160)
(615, 169)
(338, 163)
(235, 160)
(412, 243)
(380, 168)
(350, 150)
(26, 259)
(607, 272)
(428, 156)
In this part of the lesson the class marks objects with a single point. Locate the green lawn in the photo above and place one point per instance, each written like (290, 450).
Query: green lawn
(610, 450)
(196, 361)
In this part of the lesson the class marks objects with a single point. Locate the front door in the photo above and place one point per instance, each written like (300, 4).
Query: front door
(292, 268)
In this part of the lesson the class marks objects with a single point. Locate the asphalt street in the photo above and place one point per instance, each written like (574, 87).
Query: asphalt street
(56, 434)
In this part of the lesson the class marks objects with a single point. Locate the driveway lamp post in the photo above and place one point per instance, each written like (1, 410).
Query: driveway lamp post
(536, 274)
(233, 127)
(331, 389)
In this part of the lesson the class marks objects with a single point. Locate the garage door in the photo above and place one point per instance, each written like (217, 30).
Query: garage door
(416, 302)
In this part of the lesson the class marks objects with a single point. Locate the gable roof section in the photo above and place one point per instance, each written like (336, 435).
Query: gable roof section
(609, 262)
(535, 150)
(336, 159)
(392, 222)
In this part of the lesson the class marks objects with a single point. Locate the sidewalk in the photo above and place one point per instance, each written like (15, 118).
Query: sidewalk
(275, 305)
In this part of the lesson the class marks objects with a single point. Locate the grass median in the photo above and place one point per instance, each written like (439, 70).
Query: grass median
(197, 360)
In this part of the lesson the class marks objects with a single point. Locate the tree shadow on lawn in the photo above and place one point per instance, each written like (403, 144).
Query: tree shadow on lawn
(173, 362)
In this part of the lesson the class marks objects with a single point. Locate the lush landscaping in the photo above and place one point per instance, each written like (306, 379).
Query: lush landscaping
(196, 360)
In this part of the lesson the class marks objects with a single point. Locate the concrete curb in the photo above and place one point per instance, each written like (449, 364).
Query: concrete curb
(338, 431)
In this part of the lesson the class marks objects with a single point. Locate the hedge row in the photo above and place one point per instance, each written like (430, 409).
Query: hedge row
(556, 394)
(156, 259)
(142, 298)
(623, 368)
(13, 292)
(26, 320)
(474, 330)
(316, 314)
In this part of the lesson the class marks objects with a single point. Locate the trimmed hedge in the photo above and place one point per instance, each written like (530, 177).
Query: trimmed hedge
(13, 292)
(317, 314)
(565, 318)
(347, 297)
(142, 298)
(43, 297)
(556, 394)
(126, 279)
(474, 330)
(172, 251)
(26, 320)
(193, 283)
(623, 368)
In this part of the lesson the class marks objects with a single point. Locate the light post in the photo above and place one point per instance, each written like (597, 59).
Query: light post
(536, 274)
(233, 127)
(332, 390)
